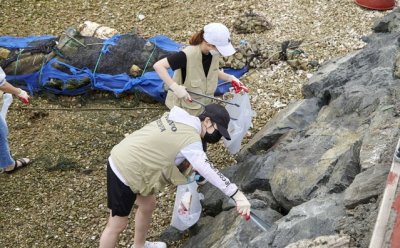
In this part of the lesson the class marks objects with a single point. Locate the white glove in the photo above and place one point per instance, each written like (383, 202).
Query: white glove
(23, 96)
(179, 91)
(242, 204)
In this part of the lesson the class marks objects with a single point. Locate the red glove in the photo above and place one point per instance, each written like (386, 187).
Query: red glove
(238, 86)
(23, 96)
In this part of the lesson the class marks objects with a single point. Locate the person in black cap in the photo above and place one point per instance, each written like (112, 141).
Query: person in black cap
(220, 116)
(147, 160)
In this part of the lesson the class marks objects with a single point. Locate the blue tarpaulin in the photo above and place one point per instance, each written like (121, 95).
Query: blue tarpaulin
(12, 42)
(148, 83)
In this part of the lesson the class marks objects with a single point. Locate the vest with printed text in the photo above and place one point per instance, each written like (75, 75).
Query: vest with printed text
(146, 158)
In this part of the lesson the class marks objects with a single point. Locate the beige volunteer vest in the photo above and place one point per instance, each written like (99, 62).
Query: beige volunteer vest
(146, 158)
(196, 81)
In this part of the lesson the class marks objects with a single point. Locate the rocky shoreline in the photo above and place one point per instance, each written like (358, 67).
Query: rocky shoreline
(60, 201)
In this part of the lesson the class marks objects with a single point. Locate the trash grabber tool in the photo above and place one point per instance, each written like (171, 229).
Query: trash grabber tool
(202, 104)
(214, 98)
(259, 222)
(253, 217)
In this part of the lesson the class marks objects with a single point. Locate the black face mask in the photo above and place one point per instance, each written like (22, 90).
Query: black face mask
(213, 137)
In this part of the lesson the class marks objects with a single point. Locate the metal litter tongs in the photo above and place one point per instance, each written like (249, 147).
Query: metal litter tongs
(264, 226)
(259, 222)
(203, 106)
(211, 97)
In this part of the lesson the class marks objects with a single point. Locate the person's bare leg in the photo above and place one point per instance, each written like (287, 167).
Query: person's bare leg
(146, 205)
(110, 235)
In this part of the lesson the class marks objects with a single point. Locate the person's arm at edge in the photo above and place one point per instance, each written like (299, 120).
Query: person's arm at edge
(9, 88)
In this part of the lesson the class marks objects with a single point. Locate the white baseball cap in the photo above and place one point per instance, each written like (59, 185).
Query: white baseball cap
(218, 34)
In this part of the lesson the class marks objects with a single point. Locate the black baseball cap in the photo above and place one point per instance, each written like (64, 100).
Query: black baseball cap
(220, 116)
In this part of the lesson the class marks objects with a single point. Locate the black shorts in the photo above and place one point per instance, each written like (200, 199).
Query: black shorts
(120, 198)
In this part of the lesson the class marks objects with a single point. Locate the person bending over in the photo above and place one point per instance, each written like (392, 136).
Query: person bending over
(147, 160)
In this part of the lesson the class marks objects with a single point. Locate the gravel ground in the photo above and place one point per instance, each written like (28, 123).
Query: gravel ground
(60, 200)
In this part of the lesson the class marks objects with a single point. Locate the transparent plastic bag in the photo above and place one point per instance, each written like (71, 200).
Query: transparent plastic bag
(7, 100)
(240, 121)
(187, 207)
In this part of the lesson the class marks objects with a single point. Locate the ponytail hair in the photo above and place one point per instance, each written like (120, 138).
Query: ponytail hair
(197, 38)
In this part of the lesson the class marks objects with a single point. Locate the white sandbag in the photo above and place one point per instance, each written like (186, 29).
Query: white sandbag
(93, 29)
(187, 207)
(240, 121)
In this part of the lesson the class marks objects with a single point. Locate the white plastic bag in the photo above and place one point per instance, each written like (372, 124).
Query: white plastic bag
(187, 207)
(240, 121)
(7, 100)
